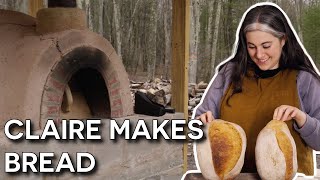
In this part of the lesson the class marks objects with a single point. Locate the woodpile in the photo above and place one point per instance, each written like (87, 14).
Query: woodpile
(159, 91)
(195, 92)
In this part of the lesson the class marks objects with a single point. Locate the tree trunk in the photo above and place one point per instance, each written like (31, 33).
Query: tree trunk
(86, 6)
(160, 52)
(298, 8)
(228, 29)
(107, 16)
(129, 44)
(136, 6)
(17, 5)
(99, 17)
(152, 41)
(96, 10)
(194, 38)
(117, 26)
(167, 35)
(208, 37)
(215, 37)
(79, 3)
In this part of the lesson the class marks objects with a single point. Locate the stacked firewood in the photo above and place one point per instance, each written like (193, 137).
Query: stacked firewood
(195, 92)
(158, 90)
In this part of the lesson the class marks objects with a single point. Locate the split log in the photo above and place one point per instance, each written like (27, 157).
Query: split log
(202, 85)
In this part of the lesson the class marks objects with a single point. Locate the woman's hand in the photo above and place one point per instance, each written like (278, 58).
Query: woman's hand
(286, 113)
(206, 117)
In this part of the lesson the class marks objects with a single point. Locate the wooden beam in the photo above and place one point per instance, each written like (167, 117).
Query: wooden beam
(180, 60)
(34, 6)
(180, 54)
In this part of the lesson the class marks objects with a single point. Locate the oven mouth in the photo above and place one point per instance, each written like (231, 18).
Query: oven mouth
(77, 87)
(85, 96)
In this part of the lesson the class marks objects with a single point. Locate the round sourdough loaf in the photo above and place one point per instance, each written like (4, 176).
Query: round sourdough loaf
(221, 154)
(275, 152)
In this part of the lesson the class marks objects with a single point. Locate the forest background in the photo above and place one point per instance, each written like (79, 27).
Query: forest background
(140, 31)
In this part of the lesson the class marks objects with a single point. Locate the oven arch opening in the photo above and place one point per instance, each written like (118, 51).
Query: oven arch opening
(86, 96)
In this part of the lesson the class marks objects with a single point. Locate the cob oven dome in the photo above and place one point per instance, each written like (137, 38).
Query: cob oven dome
(53, 67)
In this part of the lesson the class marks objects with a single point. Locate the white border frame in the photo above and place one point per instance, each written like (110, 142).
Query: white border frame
(235, 46)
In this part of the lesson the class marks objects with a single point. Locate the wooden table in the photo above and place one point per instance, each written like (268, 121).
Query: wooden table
(242, 176)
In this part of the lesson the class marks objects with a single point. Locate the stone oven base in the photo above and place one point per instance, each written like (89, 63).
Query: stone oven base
(123, 159)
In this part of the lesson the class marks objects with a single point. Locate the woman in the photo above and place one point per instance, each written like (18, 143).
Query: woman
(269, 77)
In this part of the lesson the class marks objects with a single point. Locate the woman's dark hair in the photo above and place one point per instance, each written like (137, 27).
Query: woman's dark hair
(292, 56)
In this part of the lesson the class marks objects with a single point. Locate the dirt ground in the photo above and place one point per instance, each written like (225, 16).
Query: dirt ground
(191, 161)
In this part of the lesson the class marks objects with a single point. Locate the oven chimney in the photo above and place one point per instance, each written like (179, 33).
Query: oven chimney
(60, 15)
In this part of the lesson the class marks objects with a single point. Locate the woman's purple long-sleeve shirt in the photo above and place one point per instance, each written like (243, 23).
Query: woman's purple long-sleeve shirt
(309, 96)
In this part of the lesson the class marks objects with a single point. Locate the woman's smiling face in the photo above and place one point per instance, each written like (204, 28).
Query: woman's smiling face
(264, 49)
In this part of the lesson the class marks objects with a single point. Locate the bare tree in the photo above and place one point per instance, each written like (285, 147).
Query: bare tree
(215, 36)
(116, 19)
(167, 34)
(209, 28)
(17, 5)
(194, 39)
(129, 41)
(151, 41)
(86, 7)
(298, 15)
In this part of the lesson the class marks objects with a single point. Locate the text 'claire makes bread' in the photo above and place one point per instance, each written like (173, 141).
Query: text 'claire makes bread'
(221, 154)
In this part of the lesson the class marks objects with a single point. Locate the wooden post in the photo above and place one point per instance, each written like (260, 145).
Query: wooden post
(180, 61)
(34, 6)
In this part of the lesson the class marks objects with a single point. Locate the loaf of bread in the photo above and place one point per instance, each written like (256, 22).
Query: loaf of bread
(275, 152)
(221, 154)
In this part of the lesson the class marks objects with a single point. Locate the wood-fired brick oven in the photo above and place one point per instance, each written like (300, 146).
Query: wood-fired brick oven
(53, 67)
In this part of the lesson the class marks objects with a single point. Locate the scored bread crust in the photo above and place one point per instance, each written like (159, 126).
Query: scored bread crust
(225, 140)
(237, 168)
(275, 152)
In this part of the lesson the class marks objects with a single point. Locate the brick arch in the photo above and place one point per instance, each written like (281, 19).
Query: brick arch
(72, 62)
